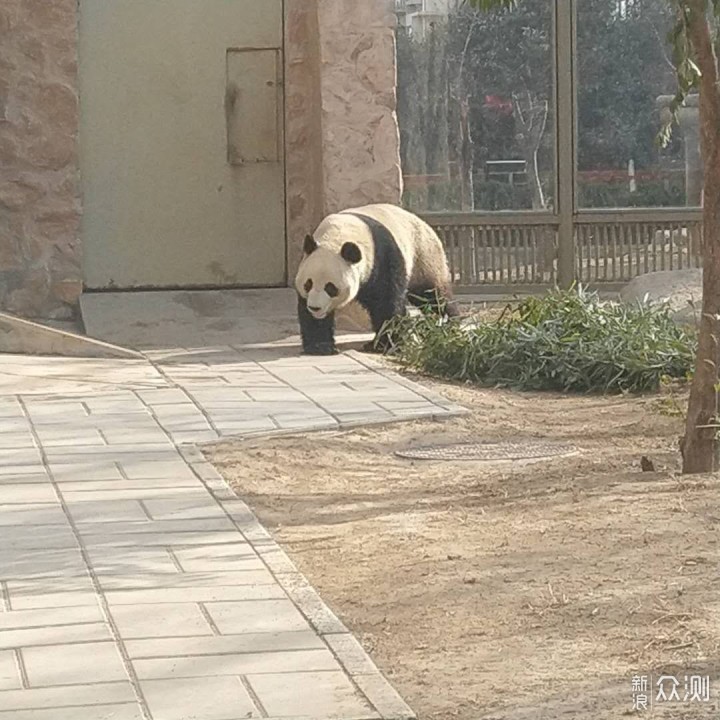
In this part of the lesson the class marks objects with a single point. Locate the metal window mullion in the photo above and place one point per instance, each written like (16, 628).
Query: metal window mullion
(565, 137)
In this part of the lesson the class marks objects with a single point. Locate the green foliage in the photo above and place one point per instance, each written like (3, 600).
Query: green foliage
(501, 49)
(648, 194)
(423, 111)
(687, 72)
(493, 4)
(617, 116)
(493, 195)
(565, 341)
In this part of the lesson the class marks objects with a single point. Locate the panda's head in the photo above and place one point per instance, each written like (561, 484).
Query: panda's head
(326, 278)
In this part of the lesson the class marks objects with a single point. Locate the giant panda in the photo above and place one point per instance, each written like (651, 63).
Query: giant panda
(379, 256)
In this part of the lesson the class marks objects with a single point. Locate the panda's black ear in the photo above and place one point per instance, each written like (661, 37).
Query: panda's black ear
(350, 252)
(310, 245)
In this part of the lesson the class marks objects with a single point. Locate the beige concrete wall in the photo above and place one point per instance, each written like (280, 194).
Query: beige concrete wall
(39, 207)
(342, 139)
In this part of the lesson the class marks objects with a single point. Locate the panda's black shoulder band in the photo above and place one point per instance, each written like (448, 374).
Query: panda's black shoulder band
(380, 232)
(383, 292)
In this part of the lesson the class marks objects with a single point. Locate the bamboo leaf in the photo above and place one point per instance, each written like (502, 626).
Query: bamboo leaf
(565, 340)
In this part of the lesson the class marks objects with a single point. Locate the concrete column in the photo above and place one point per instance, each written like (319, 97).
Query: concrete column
(689, 120)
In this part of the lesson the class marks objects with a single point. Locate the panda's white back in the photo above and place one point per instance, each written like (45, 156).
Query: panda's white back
(422, 250)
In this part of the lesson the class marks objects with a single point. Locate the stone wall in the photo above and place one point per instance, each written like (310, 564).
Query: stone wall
(40, 264)
(360, 136)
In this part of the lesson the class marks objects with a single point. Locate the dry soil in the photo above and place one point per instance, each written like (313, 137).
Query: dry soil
(514, 591)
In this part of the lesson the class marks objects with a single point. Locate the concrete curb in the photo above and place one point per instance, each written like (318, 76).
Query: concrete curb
(24, 337)
(373, 364)
(341, 642)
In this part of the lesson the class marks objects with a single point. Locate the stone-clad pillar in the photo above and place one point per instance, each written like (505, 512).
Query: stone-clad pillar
(303, 141)
(342, 136)
(40, 271)
(360, 135)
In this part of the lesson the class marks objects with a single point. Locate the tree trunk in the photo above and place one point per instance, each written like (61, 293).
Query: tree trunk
(532, 122)
(531, 162)
(467, 159)
(412, 109)
(700, 446)
(436, 149)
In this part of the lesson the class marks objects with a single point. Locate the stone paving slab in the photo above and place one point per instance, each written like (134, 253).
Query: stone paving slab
(134, 584)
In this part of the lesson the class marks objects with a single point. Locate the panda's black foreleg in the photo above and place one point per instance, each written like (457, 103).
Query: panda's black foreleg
(318, 336)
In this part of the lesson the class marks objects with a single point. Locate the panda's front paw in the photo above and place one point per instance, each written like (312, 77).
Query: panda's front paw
(320, 349)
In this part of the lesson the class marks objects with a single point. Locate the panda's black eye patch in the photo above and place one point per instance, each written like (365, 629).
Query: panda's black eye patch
(331, 290)
(308, 285)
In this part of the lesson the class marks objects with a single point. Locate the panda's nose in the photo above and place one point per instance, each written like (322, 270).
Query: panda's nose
(313, 309)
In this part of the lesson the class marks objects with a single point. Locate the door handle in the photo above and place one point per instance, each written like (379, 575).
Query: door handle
(232, 120)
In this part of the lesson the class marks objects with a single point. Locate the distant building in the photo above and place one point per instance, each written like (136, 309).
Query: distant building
(417, 16)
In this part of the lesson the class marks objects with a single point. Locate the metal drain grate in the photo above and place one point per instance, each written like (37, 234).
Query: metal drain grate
(520, 450)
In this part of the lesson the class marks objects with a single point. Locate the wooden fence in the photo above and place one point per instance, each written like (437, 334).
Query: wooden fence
(504, 250)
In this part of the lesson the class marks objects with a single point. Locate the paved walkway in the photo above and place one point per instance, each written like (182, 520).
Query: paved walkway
(134, 585)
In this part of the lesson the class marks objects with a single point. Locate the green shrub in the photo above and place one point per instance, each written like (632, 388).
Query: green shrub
(564, 340)
(617, 194)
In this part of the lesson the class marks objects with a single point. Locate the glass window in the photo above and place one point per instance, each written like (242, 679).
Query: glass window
(475, 106)
(624, 79)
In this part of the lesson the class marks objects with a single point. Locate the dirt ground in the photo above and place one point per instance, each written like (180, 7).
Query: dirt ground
(506, 591)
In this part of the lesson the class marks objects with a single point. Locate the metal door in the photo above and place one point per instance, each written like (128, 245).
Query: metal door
(181, 143)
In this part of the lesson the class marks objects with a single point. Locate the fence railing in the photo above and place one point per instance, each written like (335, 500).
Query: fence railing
(503, 249)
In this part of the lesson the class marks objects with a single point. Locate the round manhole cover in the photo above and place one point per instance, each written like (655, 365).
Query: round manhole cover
(519, 450)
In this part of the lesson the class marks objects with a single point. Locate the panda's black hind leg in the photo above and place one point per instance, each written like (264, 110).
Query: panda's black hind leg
(318, 336)
(438, 300)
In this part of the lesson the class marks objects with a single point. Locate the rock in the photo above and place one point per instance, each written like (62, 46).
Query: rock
(343, 143)
(680, 289)
(16, 194)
